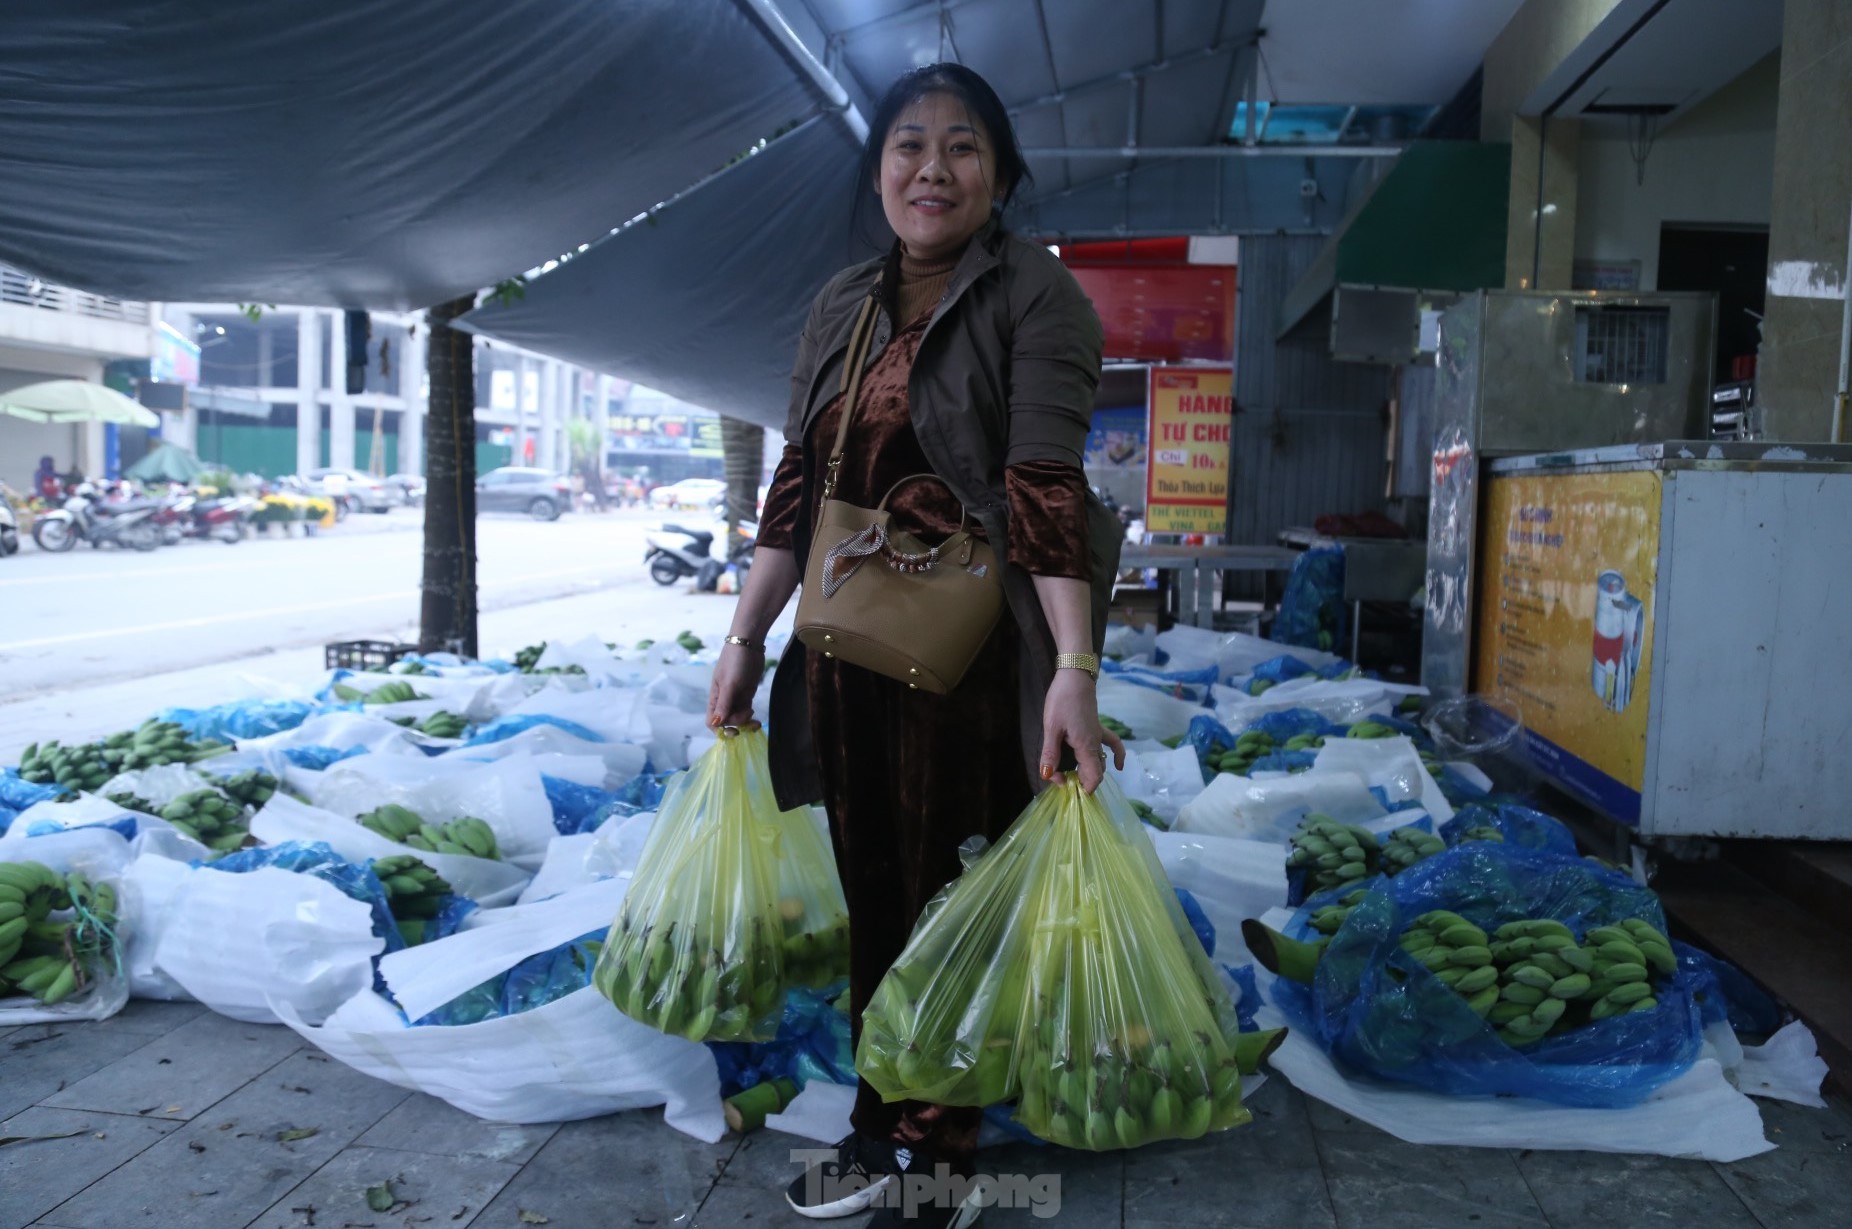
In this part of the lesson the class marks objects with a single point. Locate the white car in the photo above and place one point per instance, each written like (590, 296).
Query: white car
(688, 493)
(358, 490)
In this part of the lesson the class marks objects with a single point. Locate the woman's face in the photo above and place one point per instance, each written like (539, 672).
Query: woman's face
(938, 175)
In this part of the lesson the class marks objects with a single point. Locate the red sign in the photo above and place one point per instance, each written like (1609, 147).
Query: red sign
(1164, 313)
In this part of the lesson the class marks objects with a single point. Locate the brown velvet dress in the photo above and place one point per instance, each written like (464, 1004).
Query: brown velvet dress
(908, 776)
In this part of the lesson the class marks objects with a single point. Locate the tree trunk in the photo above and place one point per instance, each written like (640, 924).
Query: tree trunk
(742, 450)
(448, 622)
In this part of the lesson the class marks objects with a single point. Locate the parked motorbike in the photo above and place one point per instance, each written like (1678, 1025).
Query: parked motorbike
(9, 529)
(86, 517)
(226, 519)
(173, 515)
(669, 561)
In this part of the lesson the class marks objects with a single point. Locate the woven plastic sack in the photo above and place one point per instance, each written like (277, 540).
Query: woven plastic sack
(1379, 1011)
(734, 902)
(1062, 965)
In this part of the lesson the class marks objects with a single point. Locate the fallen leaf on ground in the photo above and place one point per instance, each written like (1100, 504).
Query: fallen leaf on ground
(380, 1197)
(27, 1139)
(295, 1133)
(534, 1218)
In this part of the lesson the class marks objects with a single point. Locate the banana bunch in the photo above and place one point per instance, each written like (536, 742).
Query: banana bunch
(466, 835)
(1330, 919)
(1332, 853)
(1458, 953)
(414, 892)
(1112, 725)
(1145, 813)
(690, 641)
(1409, 704)
(1545, 980)
(213, 819)
(395, 692)
(253, 787)
(680, 983)
(443, 725)
(155, 743)
(1431, 762)
(529, 657)
(1259, 687)
(134, 802)
(79, 768)
(1483, 832)
(40, 956)
(1407, 846)
(1371, 729)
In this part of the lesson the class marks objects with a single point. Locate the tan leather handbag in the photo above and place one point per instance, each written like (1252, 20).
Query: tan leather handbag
(882, 599)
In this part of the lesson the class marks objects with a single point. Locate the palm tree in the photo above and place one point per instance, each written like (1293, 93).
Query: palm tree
(448, 612)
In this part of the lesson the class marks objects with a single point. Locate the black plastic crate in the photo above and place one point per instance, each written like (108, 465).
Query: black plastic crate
(365, 654)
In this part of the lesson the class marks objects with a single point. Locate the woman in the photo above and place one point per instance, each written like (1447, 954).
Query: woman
(45, 482)
(983, 369)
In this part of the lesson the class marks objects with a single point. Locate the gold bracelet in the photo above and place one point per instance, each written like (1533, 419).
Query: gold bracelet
(745, 643)
(1079, 661)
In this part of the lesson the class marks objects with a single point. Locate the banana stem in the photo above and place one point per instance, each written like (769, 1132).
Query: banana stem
(1289, 958)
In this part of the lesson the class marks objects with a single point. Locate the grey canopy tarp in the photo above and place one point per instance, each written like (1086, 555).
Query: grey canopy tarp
(739, 256)
(370, 153)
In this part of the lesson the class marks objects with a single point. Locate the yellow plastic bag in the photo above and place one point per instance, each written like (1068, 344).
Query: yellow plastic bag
(734, 902)
(1061, 967)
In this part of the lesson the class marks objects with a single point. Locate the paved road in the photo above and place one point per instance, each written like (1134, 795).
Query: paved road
(92, 616)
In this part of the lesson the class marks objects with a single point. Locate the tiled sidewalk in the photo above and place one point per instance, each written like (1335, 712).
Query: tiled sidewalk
(183, 1119)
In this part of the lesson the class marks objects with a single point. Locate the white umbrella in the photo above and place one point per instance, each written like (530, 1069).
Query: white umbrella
(75, 401)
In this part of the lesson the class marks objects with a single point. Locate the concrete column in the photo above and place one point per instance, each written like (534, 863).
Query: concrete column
(411, 391)
(1809, 265)
(520, 411)
(601, 418)
(1540, 241)
(546, 450)
(340, 406)
(571, 408)
(308, 390)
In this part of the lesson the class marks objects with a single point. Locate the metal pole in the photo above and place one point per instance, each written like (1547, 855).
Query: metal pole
(781, 33)
(1845, 343)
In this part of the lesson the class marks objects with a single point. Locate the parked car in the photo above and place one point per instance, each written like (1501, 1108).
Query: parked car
(357, 490)
(411, 488)
(540, 493)
(689, 493)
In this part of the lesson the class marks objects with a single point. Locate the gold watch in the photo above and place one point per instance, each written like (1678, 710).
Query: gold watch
(1089, 662)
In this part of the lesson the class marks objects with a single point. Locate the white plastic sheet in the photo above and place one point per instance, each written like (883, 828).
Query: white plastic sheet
(575, 861)
(576, 1057)
(1149, 713)
(484, 880)
(99, 855)
(244, 943)
(1232, 879)
(1788, 1067)
(1166, 780)
(1269, 809)
(1392, 765)
(157, 883)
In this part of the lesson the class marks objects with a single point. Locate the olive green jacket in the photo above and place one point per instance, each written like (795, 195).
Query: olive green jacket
(1005, 374)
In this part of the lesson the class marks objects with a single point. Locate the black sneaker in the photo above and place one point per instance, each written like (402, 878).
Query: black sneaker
(847, 1184)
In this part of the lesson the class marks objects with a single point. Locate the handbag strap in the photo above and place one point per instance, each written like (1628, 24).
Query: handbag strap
(964, 515)
(859, 340)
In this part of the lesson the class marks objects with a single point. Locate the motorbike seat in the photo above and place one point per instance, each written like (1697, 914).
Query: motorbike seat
(702, 539)
(106, 509)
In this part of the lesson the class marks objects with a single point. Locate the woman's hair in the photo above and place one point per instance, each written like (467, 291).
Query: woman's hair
(979, 99)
